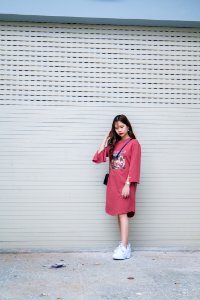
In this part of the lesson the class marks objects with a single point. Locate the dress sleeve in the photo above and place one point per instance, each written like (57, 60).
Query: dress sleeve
(101, 156)
(134, 168)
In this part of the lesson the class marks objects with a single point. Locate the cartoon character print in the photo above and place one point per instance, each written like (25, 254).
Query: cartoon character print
(118, 162)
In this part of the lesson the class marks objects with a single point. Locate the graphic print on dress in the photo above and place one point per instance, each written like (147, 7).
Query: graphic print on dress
(118, 162)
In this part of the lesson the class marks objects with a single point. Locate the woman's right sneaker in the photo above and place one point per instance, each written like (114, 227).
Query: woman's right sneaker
(120, 243)
(122, 252)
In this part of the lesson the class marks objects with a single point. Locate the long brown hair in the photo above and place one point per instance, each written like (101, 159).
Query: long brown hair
(114, 137)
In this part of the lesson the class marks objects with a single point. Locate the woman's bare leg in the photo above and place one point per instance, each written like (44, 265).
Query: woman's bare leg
(123, 222)
(119, 222)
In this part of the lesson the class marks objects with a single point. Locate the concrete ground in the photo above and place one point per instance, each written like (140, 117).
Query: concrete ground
(155, 275)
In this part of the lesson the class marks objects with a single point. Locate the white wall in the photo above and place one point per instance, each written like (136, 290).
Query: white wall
(61, 86)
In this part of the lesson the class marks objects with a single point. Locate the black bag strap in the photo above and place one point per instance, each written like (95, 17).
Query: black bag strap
(123, 148)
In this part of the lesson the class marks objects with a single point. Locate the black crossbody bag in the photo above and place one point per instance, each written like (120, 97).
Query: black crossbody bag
(105, 181)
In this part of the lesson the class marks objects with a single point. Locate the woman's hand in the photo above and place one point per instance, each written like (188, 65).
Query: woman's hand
(104, 142)
(126, 191)
(107, 136)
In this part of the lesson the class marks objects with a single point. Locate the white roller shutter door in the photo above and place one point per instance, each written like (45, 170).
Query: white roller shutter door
(61, 86)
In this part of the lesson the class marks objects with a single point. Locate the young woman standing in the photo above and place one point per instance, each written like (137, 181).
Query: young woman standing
(124, 152)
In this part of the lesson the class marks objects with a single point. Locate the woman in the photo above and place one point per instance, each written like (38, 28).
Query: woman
(124, 175)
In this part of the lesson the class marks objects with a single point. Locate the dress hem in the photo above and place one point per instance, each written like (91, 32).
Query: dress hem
(130, 214)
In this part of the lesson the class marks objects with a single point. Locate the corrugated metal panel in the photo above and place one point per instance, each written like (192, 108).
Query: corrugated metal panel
(61, 86)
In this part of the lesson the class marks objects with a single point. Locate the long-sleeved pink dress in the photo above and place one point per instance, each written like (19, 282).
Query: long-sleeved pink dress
(127, 163)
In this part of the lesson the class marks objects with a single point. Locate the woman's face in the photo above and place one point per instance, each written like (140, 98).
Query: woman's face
(121, 129)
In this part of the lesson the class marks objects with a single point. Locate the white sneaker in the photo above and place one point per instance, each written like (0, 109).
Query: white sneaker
(122, 252)
(120, 243)
(118, 246)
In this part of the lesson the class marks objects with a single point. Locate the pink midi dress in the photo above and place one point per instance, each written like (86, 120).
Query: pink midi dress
(127, 163)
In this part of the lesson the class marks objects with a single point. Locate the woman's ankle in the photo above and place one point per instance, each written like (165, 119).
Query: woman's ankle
(125, 244)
